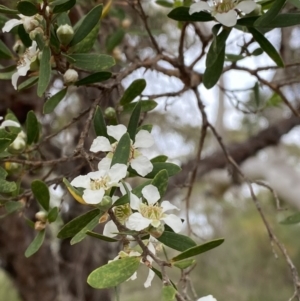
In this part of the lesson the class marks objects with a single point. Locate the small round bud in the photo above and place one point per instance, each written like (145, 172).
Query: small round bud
(157, 232)
(35, 32)
(30, 23)
(19, 143)
(126, 23)
(41, 216)
(70, 77)
(39, 226)
(117, 54)
(106, 203)
(110, 113)
(65, 34)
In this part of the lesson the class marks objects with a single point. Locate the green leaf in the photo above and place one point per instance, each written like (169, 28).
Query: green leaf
(284, 20)
(4, 51)
(7, 11)
(114, 273)
(3, 173)
(100, 236)
(122, 151)
(92, 62)
(99, 123)
(94, 78)
(171, 168)
(53, 214)
(62, 6)
(24, 36)
(160, 158)
(7, 187)
(146, 127)
(233, 57)
(292, 219)
(164, 3)
(198, 250)
(12, 206)
(161, 182)
(134, 90)
(31, 81)
(87, 24)
(147, 105)
(27, 8)
(134, 121)
(270, 14)
(36, 244)
(213, 72)
(74, 226)
(257, 52)
(216, 47)
(45, 71)
(82, 233)
(296, 3)
(53, 101)
(182, 14)
(63, 19)
(32, 128)
(168, 293)
(4, 143)
(266, 46)
(176, 241)
(183, 264)
(114, 39)
(41, 193)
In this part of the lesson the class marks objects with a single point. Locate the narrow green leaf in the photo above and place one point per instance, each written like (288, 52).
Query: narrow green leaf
(27, 8)
(292, 219)
(161, 182)
(3, 173)
(74, 226)
(7, 11)
(94, 78)
(4, 51)
(45, 71)
(198, 250)
(12, 206)
(213, 72)
(266, 46)
(146, 106)
(53, 101)
(134, 121)
(31, 81)
(114, 273)
(24, 36)
(233, 57)
(168, 293)
(63, 7)
(41, 193)
(36, 244)
(164, 3)
(183, 264)
(284, 20)
(92, 62)
(82, 233)
(134, 90)
(32, 128)
(4, 143)
(101, 237)
(176, 241)
(270, 14)
(87, 24)
(99, 123)
(160, 158)
(146, 127)
(122, 151)
(182, 14)
(114, 39)
(53, 214)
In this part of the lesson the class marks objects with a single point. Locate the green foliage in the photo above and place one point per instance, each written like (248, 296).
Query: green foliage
(99, 123)
(176, 241)
(53, 101)
(41, 193)
(122, 152)
(94, 78)
(32, 128)
(114, 39)
(146, 106)
(60, 6)
(45, 71)
(292, 219)
(161, 181)
(182, 14)
(171, 168)
(168, 293)
(27, 8)
(134, 90)
(35, 244)
(100, 236)
(134, 121)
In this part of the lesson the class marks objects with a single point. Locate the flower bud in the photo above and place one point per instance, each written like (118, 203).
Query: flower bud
(30, 23)
(35, 32)
(110, 113)
(18, 144)
(41, 216)
(39, 226)
(106, 203)
(157, 232)
(126, 23)
(65, 34)
(117, 54)
(70, 77)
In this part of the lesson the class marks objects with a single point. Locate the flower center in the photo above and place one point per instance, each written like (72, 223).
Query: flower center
(224, 6)
(151, 212)
(102, 182)
(122, 213)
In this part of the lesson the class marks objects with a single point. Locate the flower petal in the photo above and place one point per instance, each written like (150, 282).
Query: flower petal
(23, 69)
(134, 202)
(81, 181)
(110, 229)
(93, 196)
(101, 144)
(197, 7)
(116, 173)
(137, 222)
(246, 6)
(174, 222)
(141, 165)
(116, 131)
(14, 80)
(227, 19)
(143, 139)
(207, 298)
(149, 278)
(151, 194)
(134, 276)
(166, 205)
(9, 25)
(104, 164)
(6, 123)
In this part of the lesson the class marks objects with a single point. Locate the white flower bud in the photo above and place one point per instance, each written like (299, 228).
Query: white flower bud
(19, 143)
(65, 34)
(126, 23)
(41, 216)
(35, 32)
(39, 226)
(30, 23)
(70, 77)
(110, 112)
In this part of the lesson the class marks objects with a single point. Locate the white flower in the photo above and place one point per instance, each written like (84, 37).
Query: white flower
(29, 23)
(96, 183)
(70, 77)
(224, 11)
(207, 298)
(152, 213)
(20, 142)
(24, 64)
(143, 139)
(7, 123)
